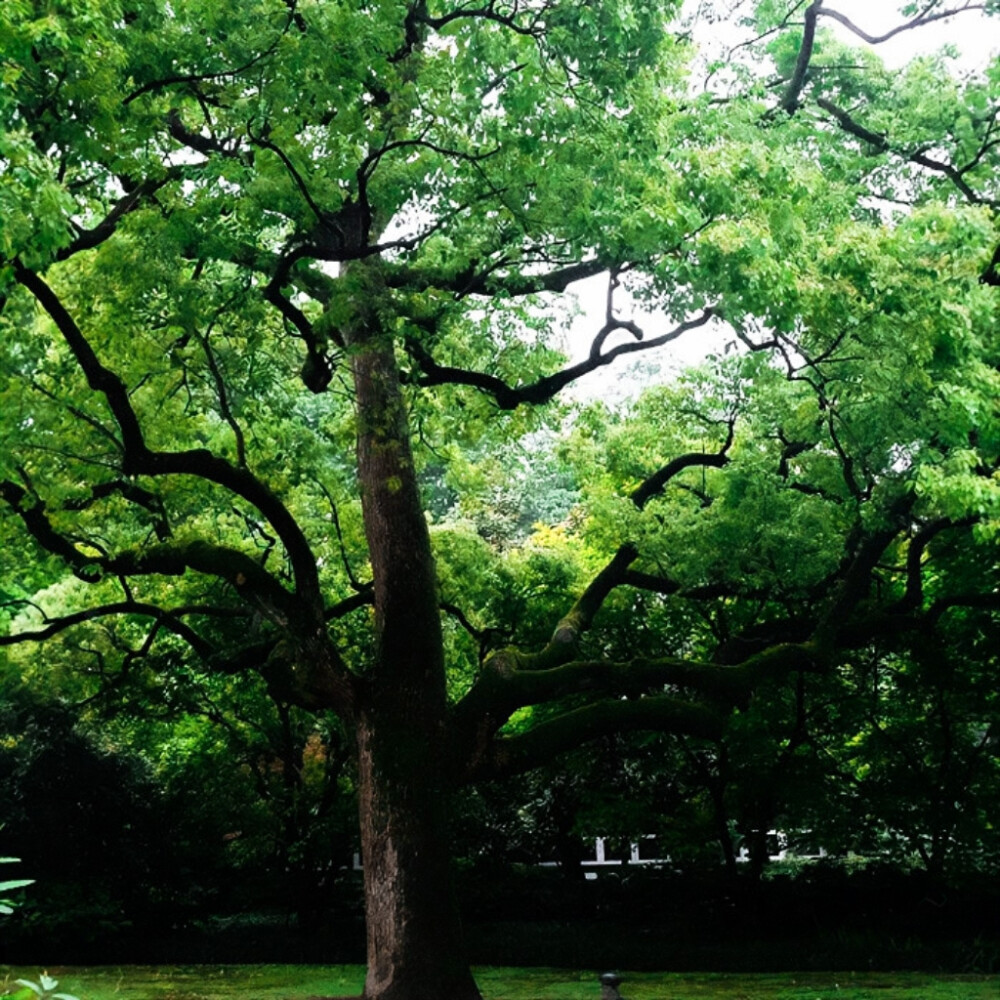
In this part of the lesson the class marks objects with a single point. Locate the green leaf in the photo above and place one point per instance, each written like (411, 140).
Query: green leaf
(16, 884)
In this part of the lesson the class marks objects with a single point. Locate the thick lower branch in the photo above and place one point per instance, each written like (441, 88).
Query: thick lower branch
(504, 687)
(660, 713)
(578, 620)
(138, 459)
(247, 577)
(166, 619)
(630, 678)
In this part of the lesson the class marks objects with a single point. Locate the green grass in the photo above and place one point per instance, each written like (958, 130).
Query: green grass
(299, 982)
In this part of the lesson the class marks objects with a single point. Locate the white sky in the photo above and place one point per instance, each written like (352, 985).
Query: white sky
(976, 36)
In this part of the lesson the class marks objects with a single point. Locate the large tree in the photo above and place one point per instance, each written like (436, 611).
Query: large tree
(261, 261)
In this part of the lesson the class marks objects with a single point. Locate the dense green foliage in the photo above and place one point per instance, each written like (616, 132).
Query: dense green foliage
(293, 514)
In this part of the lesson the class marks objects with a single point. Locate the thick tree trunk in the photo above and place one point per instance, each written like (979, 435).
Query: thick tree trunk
(415, 950)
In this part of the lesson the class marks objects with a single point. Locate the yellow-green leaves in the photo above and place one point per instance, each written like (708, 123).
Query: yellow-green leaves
(34, 206)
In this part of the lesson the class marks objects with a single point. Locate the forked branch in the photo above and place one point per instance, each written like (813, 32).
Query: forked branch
(927, 16)
(169, 620)
(139, 459)
(509, 397)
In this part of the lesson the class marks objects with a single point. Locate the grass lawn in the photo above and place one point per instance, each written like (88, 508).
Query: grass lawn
(299, 982)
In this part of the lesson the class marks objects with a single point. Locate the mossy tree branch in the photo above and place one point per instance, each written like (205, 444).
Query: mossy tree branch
(664, 713)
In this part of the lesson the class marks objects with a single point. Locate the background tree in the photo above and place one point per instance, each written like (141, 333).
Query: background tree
(200, 203)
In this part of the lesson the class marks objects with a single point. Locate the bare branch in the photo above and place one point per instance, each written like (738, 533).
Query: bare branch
(77, 413)
(491, 12)
(364, 597)
(205, 144)
(265, 143)
(487, 638)
(221, 393)
(479, 634)
(317, 372)
(881, 144)
(780, 26)
(335, 517)
(510, 397)
(372, 160)
(654, 484)
(132, 492)
(488, 282)
(927, 16)
(664, 585)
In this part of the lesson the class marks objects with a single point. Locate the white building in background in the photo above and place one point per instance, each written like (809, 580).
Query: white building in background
(645, 852)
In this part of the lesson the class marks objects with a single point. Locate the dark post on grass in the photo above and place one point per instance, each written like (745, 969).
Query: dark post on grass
(610, 981)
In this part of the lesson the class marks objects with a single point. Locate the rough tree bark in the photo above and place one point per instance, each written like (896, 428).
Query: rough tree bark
(414, 939)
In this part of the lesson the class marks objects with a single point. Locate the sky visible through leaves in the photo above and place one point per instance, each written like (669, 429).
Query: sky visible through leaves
(972, 35)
